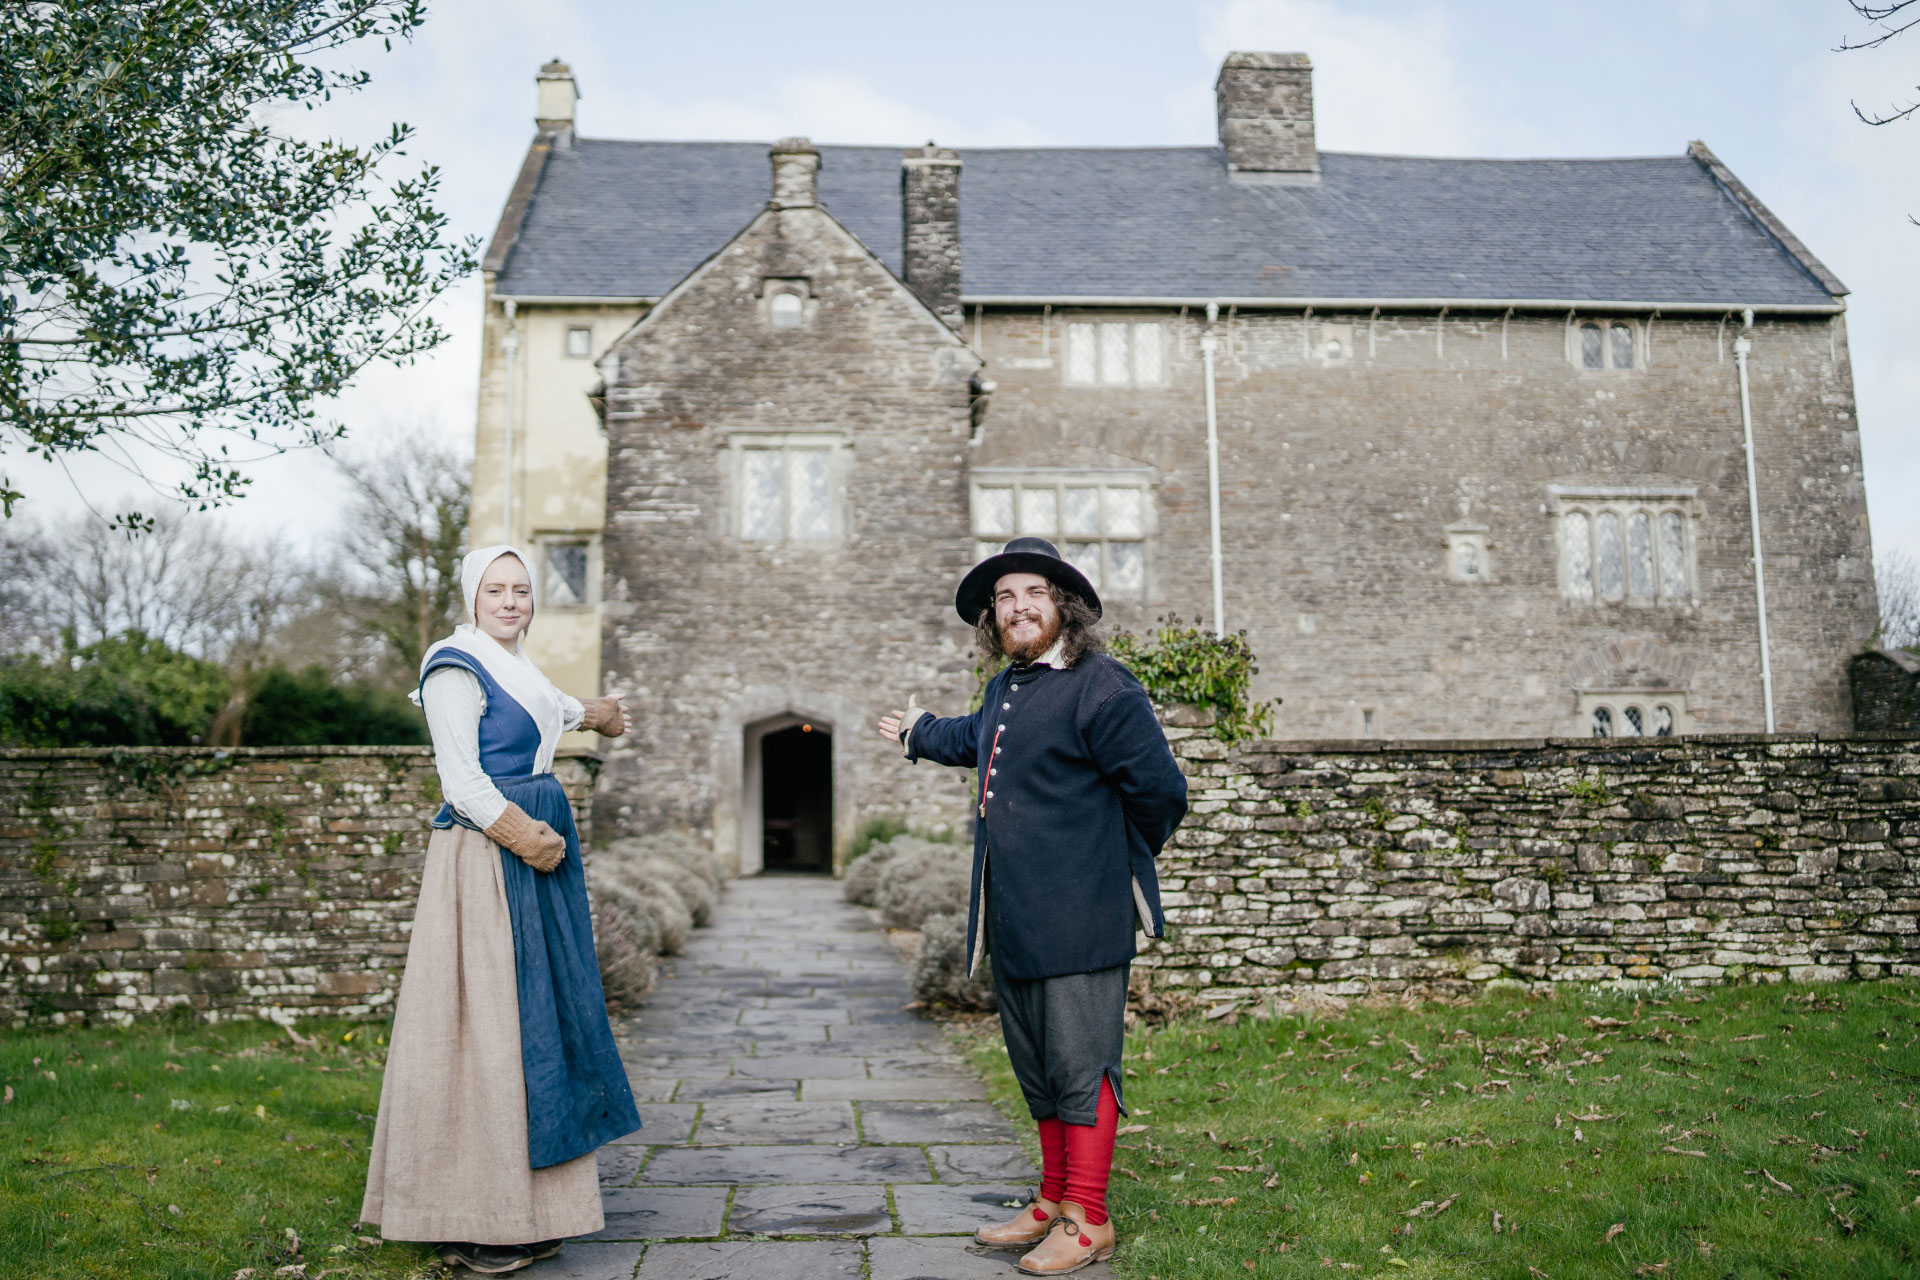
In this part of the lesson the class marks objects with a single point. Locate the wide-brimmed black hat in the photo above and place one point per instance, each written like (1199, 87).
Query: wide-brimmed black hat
(1022, 555)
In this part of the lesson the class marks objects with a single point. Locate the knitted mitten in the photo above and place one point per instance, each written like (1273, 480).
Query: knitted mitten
(602, 716)
(532, 841)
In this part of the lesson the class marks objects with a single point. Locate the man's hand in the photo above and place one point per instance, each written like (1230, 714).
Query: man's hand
(890, 723)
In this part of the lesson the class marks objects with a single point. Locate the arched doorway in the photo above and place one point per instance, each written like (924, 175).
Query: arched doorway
(796, 798)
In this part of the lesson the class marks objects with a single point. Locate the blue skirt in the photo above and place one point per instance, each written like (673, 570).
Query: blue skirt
(578, 1097)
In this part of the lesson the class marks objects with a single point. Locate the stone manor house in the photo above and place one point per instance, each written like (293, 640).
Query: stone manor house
(1494, 439)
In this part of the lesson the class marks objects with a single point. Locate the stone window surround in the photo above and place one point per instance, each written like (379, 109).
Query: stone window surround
(590, 538)
(800, 286)
(1575, 323)
(1626, 500)
(1144, 479)
(839, 448)
(1617, 701)
(1466, 536)
(578, 343)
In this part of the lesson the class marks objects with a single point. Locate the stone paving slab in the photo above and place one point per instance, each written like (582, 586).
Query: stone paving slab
(588, 1260)
(695, 1089)
(753, 1260)
(985, 1163)
(949, 1258)
(810, 1211)
(932, 1122)
(941, 1209)
(769, 1120)
(653, 1213)
(915, 1088)
(740, 1166)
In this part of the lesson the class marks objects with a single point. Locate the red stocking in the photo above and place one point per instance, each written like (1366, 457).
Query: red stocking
(1090, 1157)
(1053, 1158)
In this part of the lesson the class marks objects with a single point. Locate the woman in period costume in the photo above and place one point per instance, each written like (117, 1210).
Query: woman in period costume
(502, 1077)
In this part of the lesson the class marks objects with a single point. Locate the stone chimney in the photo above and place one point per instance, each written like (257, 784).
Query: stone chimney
(554, 112)
(796, 174)
(1265, 102)
(930, 218)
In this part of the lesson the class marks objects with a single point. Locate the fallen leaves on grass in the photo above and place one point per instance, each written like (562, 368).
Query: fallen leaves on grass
(1613, 1231)
(1218, 1202)
(1682, 1151)
(1125, 1129)
(1430, 1208)
(1497, 1220)
(1775, 1181)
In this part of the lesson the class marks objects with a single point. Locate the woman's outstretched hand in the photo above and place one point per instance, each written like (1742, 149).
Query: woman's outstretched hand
(890, 723)
(605, 716)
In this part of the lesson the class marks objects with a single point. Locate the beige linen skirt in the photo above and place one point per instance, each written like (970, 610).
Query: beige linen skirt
(450, 1146)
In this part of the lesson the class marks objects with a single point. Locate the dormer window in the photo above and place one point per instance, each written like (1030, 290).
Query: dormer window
(786, 303)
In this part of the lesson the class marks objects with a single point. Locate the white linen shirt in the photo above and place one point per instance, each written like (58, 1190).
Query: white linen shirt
(454, 702)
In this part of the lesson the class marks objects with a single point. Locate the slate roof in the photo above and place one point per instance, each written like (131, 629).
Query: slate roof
(631, 219)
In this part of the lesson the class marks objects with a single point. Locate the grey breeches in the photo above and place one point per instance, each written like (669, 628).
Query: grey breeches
(1064, 1035)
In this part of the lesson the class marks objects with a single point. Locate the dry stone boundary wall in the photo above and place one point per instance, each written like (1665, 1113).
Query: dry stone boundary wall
(269, 882)
(1353, 867)
(255, 882)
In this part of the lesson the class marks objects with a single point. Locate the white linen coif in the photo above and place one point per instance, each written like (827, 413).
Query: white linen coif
(511, 669)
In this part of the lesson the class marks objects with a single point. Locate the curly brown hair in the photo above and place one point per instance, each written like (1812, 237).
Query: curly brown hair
(1079, 629)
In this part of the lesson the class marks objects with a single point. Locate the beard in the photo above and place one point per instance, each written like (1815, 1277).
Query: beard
(1032, 650)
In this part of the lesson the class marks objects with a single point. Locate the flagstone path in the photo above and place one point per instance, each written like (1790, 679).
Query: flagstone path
(799, 1123)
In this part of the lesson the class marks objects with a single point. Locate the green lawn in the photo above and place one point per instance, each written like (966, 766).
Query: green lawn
(1735, 1132)
(189, 1151)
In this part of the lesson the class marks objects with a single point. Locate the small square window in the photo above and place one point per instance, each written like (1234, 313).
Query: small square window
(787, 310)
(787, 490)
(1116, 353)
(579, 342)
(1601, 345)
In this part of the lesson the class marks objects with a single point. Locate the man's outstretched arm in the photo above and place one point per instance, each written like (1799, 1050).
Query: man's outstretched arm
(922, 735)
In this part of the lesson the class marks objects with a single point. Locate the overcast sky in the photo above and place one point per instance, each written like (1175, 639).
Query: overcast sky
(1758, 80)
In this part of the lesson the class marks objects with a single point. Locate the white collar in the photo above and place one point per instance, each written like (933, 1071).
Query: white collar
(1053, 657)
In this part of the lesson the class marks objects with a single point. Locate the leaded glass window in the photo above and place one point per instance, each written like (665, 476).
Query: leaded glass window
(1663, 722)
(1673, 555)
(1040, 511)
(786, 494)
(1576, 528)
(1633, 728)
(1602, 722)
(1082, 363)
(1592, 354)
(1640, 554)
(1115, 353)
(1624, 550)
(1622, 347)
(1082, 511)
(1607, 577)
(760, 506)
(1099, 527)
(993, 511)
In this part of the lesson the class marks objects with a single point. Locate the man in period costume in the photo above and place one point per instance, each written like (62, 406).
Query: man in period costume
(1077, 794)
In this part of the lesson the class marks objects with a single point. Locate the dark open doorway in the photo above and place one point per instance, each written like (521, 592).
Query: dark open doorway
(796, 799)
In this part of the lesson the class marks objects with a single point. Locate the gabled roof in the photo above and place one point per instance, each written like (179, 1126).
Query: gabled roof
(630, 219)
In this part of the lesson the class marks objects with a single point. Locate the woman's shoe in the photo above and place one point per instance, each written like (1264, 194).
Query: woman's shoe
(1070, 1245)
(487, 1259)
(544, 1249)
(1026, 1229)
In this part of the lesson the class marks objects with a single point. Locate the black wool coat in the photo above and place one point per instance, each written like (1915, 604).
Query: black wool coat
(1077, 793)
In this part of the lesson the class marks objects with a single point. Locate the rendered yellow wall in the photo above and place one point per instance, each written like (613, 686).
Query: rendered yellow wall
(560, 462)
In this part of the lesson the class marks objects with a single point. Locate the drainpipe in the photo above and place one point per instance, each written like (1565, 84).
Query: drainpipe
(1207, 347)
(510, 348)
(1742, 347)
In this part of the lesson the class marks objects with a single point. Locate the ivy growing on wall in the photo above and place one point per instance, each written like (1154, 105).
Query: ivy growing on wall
(1182, 663)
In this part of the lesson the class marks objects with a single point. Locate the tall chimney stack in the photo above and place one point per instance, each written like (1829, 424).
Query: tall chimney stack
(1265, 102)
(796, 174)
(558, 93)
(930, 218)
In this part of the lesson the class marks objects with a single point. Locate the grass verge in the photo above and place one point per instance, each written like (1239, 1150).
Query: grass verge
(1734, 1132)
(190, 1151)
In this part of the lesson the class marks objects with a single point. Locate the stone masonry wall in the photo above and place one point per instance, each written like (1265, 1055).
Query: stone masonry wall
(234, 883)
(1350, 443)
(1366, 867)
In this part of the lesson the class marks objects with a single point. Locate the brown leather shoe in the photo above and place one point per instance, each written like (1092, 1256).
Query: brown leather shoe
(1070, 1244)
(1026, 1229)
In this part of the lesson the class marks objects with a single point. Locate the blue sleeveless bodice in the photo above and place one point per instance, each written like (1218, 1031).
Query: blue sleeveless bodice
(578, 1097)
